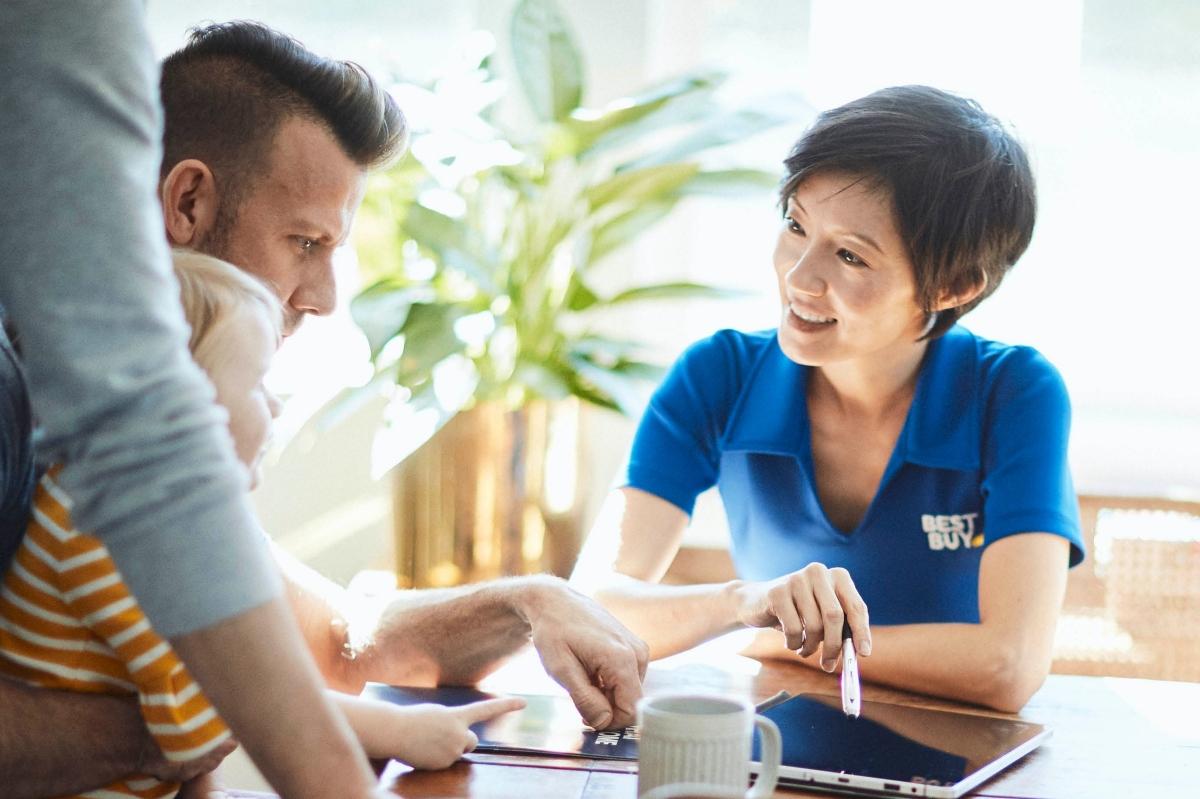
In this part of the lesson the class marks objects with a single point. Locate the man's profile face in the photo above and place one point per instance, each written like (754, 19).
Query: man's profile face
(293, 217)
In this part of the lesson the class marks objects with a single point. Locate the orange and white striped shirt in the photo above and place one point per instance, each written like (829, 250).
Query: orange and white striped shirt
(68, 621)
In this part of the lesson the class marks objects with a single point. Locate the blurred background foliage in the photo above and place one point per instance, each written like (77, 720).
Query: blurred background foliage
(480, 249)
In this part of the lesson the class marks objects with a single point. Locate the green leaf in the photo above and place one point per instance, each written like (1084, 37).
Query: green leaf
(453, 241)
(640, 185)
(543, 378)
(547, 60)
(625, 227)
(579, 296)
(640, 370)
(618, 388)
(428, 339)
(380, 311)
(656, 108)
(618, 363)
(588, 392)
(734, 127)
(673, 291)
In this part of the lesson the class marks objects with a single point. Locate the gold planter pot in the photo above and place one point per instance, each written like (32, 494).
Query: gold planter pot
(495, 492)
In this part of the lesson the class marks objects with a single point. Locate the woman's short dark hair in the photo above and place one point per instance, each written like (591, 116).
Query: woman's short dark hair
(961, 185)
(227, 91)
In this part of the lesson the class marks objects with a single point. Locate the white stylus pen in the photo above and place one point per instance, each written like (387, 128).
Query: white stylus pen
(851, 690)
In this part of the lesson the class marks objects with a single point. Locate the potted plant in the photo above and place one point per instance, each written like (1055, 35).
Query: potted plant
(481, 250)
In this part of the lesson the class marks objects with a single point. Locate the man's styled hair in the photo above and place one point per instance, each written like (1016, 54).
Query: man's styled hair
(960, 184)
(212, 291)
(227, 91)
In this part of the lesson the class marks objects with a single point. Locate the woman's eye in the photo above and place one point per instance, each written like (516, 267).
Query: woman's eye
(307, 245)
(851, 258)
(793, 225)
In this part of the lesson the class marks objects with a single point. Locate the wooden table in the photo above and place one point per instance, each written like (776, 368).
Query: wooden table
(1113, 737)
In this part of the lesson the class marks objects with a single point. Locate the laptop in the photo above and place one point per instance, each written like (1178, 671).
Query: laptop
(890, 750)
(894, 750)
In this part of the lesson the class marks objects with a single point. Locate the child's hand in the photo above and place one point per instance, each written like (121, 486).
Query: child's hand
(426, 736)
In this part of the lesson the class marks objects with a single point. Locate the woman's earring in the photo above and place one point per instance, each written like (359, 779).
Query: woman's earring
(933, 317)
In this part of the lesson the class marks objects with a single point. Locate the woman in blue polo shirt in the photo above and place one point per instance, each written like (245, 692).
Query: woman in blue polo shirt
(869, 451)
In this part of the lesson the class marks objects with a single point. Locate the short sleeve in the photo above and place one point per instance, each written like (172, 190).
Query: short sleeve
(179, 716)
(676, 450)
(1027, 483)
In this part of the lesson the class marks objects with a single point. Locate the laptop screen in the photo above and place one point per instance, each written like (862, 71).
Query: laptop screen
(893, 742)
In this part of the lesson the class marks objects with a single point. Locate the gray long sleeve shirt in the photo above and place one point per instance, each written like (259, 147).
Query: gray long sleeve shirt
(85, 278)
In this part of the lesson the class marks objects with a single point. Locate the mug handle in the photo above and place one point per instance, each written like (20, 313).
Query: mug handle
(772, 747)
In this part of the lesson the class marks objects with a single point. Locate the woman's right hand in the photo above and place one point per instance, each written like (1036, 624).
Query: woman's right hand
(808, 606)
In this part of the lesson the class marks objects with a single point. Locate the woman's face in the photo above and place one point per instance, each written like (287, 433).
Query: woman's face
(242, 349)
(845, 279)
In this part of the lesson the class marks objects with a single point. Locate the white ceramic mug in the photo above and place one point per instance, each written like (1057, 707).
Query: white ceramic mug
(698, 745)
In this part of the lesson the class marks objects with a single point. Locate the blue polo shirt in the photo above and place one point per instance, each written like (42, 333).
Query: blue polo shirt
(982, 455)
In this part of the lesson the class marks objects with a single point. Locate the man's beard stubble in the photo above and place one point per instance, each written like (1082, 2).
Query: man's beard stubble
(218, 245)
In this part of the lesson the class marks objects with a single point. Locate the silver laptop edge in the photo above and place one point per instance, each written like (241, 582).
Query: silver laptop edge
(795, 777)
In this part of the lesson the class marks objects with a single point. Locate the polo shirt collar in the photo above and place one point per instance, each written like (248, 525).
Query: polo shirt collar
(943, 425)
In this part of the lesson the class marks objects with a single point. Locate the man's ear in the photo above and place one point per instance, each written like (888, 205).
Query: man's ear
(189, 202)
(956, 299)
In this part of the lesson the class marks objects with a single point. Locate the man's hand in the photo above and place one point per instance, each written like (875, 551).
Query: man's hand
(587, 651)
(457, 636)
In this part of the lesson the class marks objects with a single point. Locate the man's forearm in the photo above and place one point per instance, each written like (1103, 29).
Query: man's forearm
(425, 636)
(324, 611)
(452, 635)
(54, 743)
(459, 635)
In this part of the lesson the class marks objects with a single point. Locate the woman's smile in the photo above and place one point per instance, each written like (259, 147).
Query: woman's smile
(807, 321)
(845, 281)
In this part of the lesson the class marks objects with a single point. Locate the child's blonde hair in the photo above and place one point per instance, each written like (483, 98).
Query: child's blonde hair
(211, 290)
